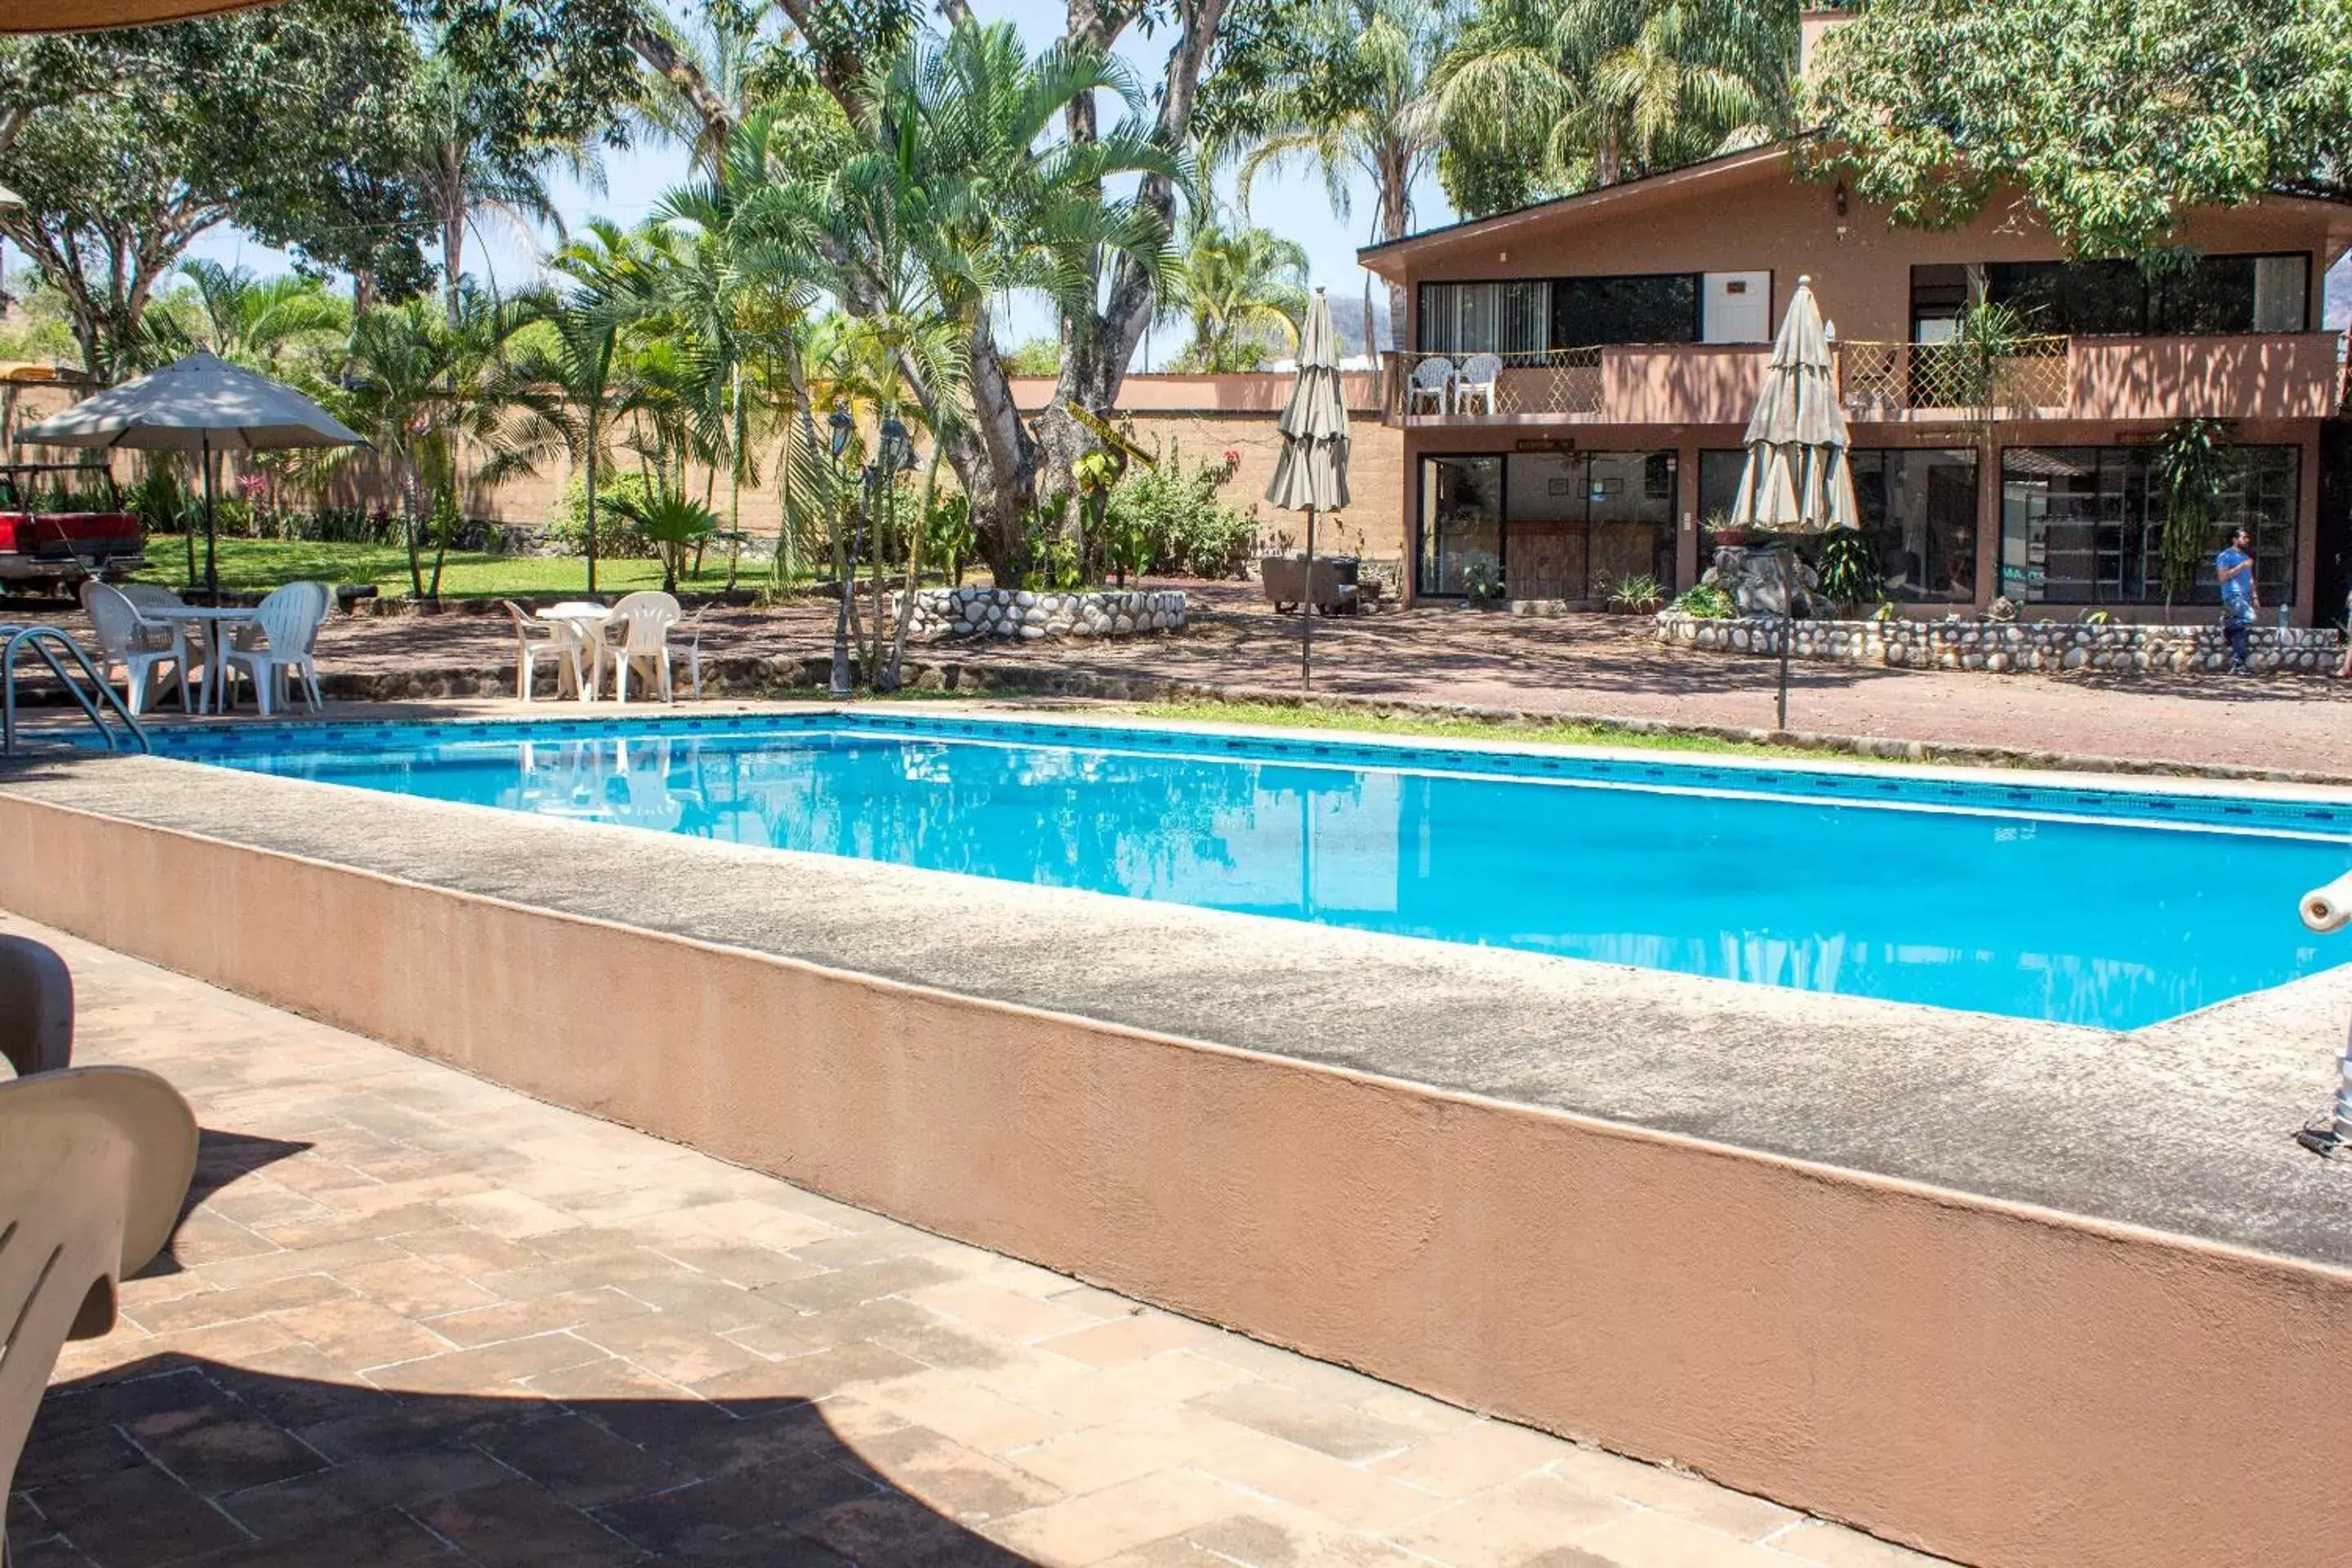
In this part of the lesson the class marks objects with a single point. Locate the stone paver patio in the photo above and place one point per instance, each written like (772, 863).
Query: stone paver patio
(412, 1317)
(1589, 664)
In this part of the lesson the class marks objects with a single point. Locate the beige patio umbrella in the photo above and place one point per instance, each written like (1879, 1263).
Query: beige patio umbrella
(200, 405)
(91, 15)
(1797, 478)
(1310, 472)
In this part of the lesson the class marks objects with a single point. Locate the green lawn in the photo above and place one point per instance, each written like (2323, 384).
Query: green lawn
(1277, 715)
(259, 565)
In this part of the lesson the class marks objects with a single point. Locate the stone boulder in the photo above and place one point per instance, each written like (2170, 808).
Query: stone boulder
(1764, 581)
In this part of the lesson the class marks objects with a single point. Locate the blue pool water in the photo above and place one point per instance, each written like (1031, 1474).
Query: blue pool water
(2080, 906)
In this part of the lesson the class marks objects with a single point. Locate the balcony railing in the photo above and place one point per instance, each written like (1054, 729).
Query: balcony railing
(1504, 385)
(1886, 381)
(2290, 376)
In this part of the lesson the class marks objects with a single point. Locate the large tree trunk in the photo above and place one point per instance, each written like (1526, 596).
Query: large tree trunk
(718, 116)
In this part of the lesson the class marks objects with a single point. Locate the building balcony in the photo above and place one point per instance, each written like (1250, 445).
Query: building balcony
(2102, 380)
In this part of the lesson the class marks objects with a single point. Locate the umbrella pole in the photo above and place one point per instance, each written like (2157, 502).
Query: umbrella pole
(1307, 613)
(212, 564)
(1788, 633)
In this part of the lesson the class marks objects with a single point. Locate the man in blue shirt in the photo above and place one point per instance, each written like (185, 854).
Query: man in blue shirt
(2234, 567)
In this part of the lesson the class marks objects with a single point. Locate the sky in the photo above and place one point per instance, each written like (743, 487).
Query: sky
(1291, 201)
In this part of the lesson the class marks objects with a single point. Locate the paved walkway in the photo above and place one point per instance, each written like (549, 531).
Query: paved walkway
(414, 1318)
(1588, 664)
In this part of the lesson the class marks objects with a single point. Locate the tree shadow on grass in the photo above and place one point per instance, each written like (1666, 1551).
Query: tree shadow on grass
(178, 1460)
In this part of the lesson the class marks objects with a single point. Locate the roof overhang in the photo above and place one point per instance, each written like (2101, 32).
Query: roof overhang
(1389, 259)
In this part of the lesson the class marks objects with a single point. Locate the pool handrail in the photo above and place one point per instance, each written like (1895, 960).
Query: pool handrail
(45, 641)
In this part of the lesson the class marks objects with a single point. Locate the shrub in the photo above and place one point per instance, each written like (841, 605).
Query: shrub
(617, 536)
(1174, 522)
(1635, 592)
(1707, 603)
(1848, 568)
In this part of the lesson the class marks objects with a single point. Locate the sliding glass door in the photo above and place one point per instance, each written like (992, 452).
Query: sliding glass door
(1547, 525)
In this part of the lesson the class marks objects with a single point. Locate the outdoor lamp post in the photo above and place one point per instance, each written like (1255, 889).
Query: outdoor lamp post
(895, 453)
(842, 427)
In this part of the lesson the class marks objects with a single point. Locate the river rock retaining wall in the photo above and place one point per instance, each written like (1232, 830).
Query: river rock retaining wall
(2004, 647)
(1010, 613)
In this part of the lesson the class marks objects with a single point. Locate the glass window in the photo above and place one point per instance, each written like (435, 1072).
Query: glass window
(1629, 518)
(1460, 523)
(1718, 484)
(1940, 297)
(1546, 497)
(1483, 318)
(2075, 299)
(2208, 294)
(1919, 512)
(2283, 293)
(1660, 307)
(2084, 525)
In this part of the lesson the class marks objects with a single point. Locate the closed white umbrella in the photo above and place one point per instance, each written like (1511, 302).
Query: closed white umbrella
(1797, 478)
(201, 404)
(1310, 472)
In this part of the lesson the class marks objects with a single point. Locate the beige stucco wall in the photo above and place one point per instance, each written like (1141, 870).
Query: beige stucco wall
(1997, 1384)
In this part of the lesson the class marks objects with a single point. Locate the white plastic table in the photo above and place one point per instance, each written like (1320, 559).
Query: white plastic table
(586, 623)
(221, 623)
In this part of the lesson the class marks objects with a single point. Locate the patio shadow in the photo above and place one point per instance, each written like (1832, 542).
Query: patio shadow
(177, 1459)
(221, 1158)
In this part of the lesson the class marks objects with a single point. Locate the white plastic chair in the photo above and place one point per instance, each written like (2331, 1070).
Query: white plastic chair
(151, 596)
(94, 1165)
(643, 621)
(1477, 382)
(127, 637)
(289, 622)
(1433, 380)
(563, 643)
(694, 625)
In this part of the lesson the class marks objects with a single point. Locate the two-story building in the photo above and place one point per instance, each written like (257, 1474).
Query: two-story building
(1577, 377)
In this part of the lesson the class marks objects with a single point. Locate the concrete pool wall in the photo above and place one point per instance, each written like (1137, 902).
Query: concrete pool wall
(1983, 1379)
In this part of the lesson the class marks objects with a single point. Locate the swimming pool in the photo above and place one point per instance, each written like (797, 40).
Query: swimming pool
(2082, 906)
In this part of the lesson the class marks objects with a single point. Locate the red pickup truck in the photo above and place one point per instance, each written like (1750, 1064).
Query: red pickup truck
(61, 522)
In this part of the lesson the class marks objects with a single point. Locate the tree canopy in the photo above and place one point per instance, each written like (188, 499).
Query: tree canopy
(2112, 115)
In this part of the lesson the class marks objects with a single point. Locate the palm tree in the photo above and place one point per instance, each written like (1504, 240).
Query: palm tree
(698, 77)
(255, 322)
(1589, 92)
(564, 363)
(1244, 289)
(470, 167)
(416, 385)
(1363, 104)
(957, 197)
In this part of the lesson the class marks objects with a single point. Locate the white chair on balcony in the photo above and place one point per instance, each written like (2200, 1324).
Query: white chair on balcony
(1433, 383)
(1476, 382)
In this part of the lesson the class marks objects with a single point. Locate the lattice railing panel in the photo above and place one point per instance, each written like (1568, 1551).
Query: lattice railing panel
(1897, 378)
(1549, 381)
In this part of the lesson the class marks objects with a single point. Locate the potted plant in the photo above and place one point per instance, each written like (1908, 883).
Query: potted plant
(1720, 531)
(1482, 584)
